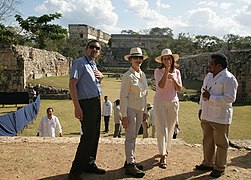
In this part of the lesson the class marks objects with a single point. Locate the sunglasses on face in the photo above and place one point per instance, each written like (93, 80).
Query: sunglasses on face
(94, 47)
(137, 57)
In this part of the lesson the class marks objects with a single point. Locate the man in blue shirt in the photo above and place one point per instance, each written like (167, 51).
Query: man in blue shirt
(85, 93)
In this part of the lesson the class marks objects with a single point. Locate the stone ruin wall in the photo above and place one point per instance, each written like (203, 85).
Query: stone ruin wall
(122, 43)
(22, 63)
(239, 61)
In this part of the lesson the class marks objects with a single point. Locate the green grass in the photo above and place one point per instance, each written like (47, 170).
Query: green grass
(55, 81)
(189, 122)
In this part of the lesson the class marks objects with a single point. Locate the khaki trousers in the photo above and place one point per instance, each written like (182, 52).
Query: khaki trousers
(215, 144)
(135, 120)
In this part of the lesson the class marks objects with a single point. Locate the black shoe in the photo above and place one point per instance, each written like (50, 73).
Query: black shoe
(203, 168)
(74, 177)
(139, 166)
(94, 170)
(131, 169)
(215, 173)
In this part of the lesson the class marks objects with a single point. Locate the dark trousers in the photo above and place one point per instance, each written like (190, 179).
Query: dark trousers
(117, 130)
(87, 148)
(107, 119)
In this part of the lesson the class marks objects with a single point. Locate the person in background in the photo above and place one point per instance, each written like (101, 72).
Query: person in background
(151, 118)
(133, 95)
(166, 101)
(218, 92)
(49, 124)
(85, 91)
(107, 112)
(117, 119)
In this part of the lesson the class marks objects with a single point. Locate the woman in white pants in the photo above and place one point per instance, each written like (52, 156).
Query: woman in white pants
(133, 108)
(166, 102)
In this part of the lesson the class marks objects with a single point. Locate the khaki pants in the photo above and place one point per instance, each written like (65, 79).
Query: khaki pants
(135, 120)
(215, 144)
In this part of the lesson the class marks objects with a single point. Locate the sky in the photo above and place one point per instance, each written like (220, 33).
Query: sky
(196, 17)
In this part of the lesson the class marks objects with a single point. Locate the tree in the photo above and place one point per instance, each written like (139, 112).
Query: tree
(6, 36)
(39, 30)
(129, 32)
(208, 43)
(161, 31)
(237, 42)
(7, 8)
(184, 44)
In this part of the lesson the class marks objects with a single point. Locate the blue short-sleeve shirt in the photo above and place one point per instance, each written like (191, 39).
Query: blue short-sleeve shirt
(88, 85)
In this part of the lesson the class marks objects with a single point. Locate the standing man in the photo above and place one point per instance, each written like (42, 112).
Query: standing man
(117, 120)
(107, 112)
(85, 93)
(218, 92)
(49, 124)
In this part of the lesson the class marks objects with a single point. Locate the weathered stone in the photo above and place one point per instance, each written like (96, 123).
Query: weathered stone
(22, 63)
(196, 67)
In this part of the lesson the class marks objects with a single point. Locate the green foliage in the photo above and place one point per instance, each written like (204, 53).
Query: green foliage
(207, 43)
(237, 42)
(6, 36)
(156, 31)
(129, 32)
(39, 30)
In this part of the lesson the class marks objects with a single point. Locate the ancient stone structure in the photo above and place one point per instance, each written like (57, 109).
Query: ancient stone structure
(21, 63)
(86, 32)
(239, 63)
(122, 43)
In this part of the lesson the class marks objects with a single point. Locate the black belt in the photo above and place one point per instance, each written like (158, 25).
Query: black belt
(94, 98)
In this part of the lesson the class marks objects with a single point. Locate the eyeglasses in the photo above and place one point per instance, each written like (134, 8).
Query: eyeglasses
(94, 47)
(137, 57)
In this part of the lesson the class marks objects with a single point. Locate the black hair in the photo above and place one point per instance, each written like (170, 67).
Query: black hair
(49, 109)
(117, 102)
(90, 41)
(220, 58)
(173, 65)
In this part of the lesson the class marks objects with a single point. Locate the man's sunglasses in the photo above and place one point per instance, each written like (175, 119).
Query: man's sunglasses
(94, 47)
(137, 57)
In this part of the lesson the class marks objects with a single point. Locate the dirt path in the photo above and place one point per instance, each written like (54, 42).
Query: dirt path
(28, 158)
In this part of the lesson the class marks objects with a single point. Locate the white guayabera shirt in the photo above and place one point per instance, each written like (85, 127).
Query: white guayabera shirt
(47, 127)
(222, 89)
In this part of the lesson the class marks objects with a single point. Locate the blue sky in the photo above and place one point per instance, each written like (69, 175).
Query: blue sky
(205, 17)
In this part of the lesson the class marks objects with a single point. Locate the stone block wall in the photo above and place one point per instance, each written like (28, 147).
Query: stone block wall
(22, 63)
(86, 32)
(239, 61)
(122, 43)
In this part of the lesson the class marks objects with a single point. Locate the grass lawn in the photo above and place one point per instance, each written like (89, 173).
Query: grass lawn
(189, 123)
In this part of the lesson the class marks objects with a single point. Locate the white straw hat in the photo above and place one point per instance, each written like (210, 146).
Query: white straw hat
(135, 52)
(166, 52)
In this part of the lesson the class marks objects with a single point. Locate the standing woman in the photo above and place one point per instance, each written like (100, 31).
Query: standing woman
(133, 108)
(166, 102)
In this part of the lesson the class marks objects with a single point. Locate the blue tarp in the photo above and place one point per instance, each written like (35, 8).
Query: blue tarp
(12, 123)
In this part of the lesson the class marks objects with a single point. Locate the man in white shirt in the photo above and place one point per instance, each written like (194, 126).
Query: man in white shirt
(107, 112)
(48, 125)
(218, 92)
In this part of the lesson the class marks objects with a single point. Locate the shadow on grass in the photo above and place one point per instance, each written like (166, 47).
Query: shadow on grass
(73, 133)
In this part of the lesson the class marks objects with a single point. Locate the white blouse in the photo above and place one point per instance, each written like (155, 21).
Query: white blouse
(133, 91)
